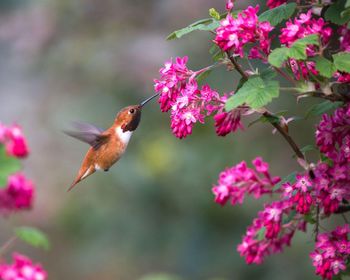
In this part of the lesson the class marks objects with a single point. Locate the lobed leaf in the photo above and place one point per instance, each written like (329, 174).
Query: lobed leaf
(335, 12)
(8, 166)
(278, 14)
(207, 24)
(323, 107)
(278, 56)
(342, 61)
(298, 49)
(33, 237)
(255, 92)
(325, 67)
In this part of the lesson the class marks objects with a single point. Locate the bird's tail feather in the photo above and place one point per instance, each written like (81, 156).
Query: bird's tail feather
(83, 173)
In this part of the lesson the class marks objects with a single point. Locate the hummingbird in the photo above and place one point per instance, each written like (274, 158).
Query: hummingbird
(107, 146)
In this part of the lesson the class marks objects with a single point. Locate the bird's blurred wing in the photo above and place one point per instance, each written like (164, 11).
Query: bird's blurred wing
(89, 134)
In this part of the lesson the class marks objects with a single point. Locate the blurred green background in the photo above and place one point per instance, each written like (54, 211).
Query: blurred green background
(153, 213)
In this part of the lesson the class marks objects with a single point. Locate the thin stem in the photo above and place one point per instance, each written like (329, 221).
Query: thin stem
(317, 221)
(285, 135)
(7, 245)
(237, 66)
(268, 115)
(284, 75)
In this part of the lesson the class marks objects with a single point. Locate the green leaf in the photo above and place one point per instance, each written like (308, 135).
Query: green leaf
(207, 24)
(342, 61)
(308, 218)
(214, 14)
(202, 76)
(33, 237)
(291, 178)
(321, 108)
(260, 235)
(278, 14)
(324, 66)
(8, 166)
(334, 13)
(289, 218)
(255, 92)
(308, 148)
(298, 49)
(278, 56)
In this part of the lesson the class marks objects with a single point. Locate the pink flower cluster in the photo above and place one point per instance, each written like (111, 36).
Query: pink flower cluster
(237, 181)
(301, 27)
(189, 104)
(234, 33)
(269, 233)
(22, 269)
(275, 3)
(300, 193)
(332, 252)
(18, 194)
(333, 140)
(13, 139)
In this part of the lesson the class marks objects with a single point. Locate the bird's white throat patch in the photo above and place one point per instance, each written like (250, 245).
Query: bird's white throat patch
(123, 136)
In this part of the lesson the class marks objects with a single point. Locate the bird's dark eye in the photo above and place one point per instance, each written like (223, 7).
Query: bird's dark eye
(132, 111)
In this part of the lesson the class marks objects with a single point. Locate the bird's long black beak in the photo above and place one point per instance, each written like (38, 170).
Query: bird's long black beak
(148, 99)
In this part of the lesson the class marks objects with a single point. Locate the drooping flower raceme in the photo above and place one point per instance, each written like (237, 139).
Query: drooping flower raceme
(333, 140)
(237, 181)
(332, 252)
(234, 33)
(22, 269)
(301, 27)
(188, 103)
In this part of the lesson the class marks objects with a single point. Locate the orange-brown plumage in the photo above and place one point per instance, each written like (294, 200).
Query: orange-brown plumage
(107, 146)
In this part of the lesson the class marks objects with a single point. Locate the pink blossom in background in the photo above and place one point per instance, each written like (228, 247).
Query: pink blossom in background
(18, 194)
(22, 269)
(333, 139)
(332, 251)
(237, 181)
(13, 139)
(234, 33)
(344, 38)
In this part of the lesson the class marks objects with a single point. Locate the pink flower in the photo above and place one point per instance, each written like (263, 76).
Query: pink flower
(173, 77)
(13, 139)
(331, 252)
(266, 235)
(237, 181)
(22, 269)
(303, 26)
(344, 38)
(18, 194)
(226, 122)
(234, 33)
